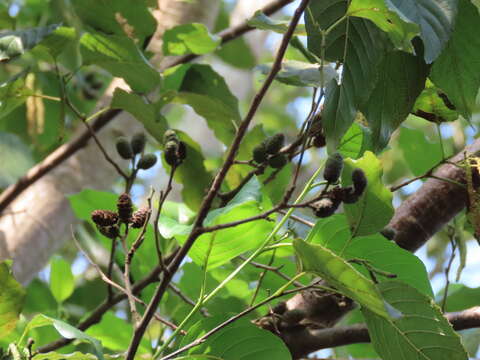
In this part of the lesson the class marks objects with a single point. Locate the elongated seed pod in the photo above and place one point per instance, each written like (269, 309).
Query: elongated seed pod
(333, 168)
(138, 142)
(124, 148)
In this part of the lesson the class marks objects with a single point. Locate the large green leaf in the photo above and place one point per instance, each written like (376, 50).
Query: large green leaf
(121, 57)
(119, 17)
(13, 93)
(394, 94)
(457, 69)
(374, 208)
(189, 39)
(16, 158)
(146, 113)
(334, 233)
(15, 43)
(62, 282)
(340, 274)
(360, 46)
(460, 297)
(58, 356)
(207, 93)
(231, 242)
(12, 297)
(435, 18)
(355, 142)
(299, 73)
(64, 329)
(399, 31)
(55, 42)
(421, 333)
(239, 340)
(419, 153)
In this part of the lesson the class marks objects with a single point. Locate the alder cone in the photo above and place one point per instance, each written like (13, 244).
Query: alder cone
(110, 232)
(359, 181)
(325, 207)
(139, 217)
(274, 143)
(147, 161)
(124, 148)
(333, 168)
(138, 142)
(278, 161)
(104, 217)
(125, 208)
(259, 153)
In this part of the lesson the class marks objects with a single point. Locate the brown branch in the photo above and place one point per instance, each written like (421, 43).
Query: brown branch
(310, 340)
(215, 187)
(97, 314)
(65, 151)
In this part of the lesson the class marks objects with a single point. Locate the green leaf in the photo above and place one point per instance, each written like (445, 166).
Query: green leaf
(189, 39)
(146, 113)
(460, 297)
(62, 282)
(13, 93)
(231, 242)
(15, 43)
(237, 53)
(87, 200)
(12, 298)
(207, 93)
(394, 94)
(55, 42)
(432, 105)
(263, 22)
(334, 233)
(64, 329)
(400, 32)
(16, 158)
(57, 356)
(435, 18)
(117, 17)
(422, 332)
(300, 73)
(361, 50)
(419, 153)
(374, 209)
(115, 340)
(457, 69)
(340, 274)
(355, 142)
(120, 56)
(262, 344)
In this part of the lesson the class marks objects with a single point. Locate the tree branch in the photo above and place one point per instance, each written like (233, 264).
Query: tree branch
(65, 151)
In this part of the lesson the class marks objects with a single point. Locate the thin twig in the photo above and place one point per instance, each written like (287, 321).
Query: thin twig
(215, 186)
(449, 266)
(186, 299)
(262, 276)
(110, 266)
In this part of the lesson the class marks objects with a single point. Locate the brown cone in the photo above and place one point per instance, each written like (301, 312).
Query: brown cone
(139, 217)
(104, 217)
(124, 206)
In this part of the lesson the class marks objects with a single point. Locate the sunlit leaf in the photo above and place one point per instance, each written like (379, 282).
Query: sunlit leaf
(340, 274)
(374, 208)
(12, 296)
(16, 158)
(189, 39)
(263, 22)
(422, 332)
(61, 279)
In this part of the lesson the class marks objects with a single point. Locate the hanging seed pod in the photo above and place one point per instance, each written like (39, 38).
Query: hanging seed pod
(110, 232)
(181, 152)
(274, 143)
(125, 208)
(333, 168)
(139, 217)
(147, 161)
(259, 153)
(359, 181)
(169, 136)
(138, 142)
(349, 195)
(124, 148)
(278, 161)
(104, 217)
(170, 152)
(325, 207)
